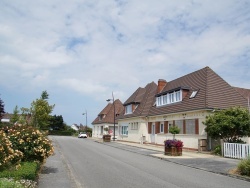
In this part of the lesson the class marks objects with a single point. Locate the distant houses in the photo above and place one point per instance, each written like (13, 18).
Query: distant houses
(185, 102)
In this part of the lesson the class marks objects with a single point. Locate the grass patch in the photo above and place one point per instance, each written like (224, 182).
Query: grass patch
(6, 183)
(244, 167)
(28, 170)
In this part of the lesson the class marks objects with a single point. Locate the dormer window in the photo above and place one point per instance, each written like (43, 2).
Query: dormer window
(194, 93)
(128, 109)
(101, 116)
(169, 98)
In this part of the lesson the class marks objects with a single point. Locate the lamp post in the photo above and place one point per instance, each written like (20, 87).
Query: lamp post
(86, 120)
(114, 112)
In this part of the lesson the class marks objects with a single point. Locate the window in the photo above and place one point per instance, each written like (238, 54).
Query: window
(190, 126)
(124, 130)
(179, 124)
(128, 109)
(169, 98)
(162, 128)
(134, 126)
(194, 93)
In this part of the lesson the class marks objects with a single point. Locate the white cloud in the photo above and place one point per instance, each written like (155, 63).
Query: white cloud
(96, 47)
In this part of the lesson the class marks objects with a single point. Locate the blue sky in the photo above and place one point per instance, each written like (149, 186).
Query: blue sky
(82, 50)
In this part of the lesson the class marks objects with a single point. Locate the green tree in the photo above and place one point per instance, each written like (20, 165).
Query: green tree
(56, 122)
(174, 130)
(40, 111)
(25, 115)
(15, 116)
(230, 124)
(1, 109)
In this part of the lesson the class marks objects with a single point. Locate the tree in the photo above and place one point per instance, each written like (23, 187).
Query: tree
(15, 116)
(1, 109)
(24, 119)
(230, 124)
(174, 130)
(40, 110)
(56, 122)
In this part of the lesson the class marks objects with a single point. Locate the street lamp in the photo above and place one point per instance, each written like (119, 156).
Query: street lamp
(86, 120)
(114, 112)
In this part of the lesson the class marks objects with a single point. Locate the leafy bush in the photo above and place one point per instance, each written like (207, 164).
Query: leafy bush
(8, 155)
(244, 167)
(31, 142)
(217, 150)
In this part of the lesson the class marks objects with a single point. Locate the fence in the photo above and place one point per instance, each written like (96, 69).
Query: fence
(238, 151)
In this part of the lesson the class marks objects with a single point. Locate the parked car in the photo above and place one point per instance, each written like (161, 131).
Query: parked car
(82, 135)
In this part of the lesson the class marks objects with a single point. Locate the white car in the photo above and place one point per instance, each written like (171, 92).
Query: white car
(82, 135)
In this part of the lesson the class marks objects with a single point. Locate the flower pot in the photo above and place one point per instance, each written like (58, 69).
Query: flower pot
(173, 151)
(106, 138)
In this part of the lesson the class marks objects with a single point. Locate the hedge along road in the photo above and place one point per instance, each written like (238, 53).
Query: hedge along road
(85, 163)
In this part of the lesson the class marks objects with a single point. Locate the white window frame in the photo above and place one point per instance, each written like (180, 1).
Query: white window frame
(169, 98)
(124, 130)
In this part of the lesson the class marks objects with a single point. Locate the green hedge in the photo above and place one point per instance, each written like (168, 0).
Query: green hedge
(28, 170)
(61, 133)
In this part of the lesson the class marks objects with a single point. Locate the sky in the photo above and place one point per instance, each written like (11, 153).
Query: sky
(80, 51)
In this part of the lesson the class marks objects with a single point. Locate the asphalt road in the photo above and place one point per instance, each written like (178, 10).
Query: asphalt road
(84, 163)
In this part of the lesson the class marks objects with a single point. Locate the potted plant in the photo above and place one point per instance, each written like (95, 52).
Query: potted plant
(173, 147)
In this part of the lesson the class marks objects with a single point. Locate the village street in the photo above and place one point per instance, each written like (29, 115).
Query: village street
(84, 163)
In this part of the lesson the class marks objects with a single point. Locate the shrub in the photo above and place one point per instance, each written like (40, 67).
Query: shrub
(8, 156)
(244, 167)
(217, 150)
(30, 141)
(61, 133)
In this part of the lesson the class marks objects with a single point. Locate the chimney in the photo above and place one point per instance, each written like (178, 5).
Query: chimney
(161, 84)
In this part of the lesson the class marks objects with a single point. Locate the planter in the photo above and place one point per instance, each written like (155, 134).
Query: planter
(173, 151)
(106, 138)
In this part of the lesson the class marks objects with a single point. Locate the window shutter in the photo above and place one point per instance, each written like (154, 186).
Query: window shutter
(184, 126)
(173, 122)
(165, 126)
(196, 126)
(157, 127)
(149, 127)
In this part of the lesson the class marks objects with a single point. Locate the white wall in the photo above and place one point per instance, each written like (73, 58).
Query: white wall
(133, 135)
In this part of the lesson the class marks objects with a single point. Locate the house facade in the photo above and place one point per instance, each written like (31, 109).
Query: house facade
(184, 102)
(104, 122)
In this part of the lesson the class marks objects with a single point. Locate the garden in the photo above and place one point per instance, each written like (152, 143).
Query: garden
(23, 149)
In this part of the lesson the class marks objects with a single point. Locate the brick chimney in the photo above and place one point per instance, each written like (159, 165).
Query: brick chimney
(161, 84)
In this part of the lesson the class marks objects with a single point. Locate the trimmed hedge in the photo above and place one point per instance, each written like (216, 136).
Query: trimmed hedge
(60, 133)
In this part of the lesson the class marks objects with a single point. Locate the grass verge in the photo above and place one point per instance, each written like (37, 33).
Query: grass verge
(24, 176)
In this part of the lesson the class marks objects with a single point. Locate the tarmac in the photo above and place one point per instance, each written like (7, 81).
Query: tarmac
(55, 171)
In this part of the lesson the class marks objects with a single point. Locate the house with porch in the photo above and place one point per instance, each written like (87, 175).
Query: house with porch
(184, 102)
(105, 119)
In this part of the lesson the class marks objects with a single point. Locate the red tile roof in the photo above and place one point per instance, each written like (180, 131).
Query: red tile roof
(108, 113)
(144, 97)
(213, 92)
